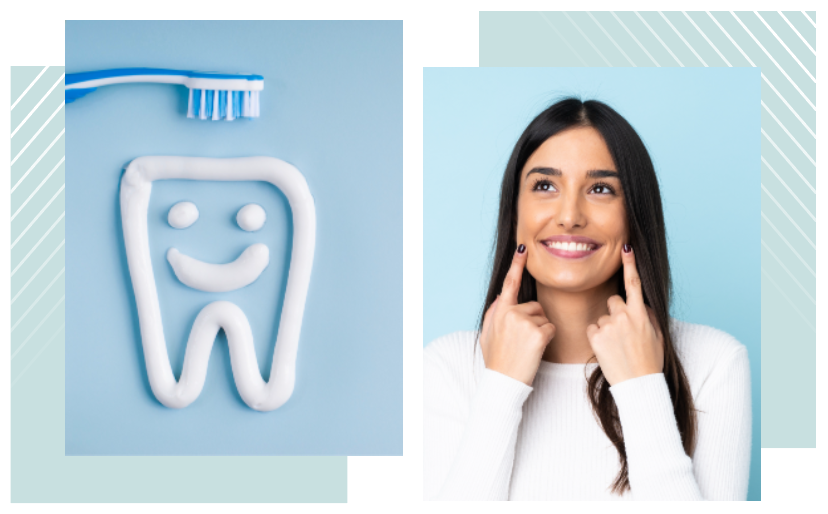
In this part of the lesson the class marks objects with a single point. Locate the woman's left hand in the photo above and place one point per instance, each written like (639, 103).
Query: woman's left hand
(628, 342)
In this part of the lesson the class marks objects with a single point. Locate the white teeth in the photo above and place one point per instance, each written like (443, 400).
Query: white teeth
(570, 246)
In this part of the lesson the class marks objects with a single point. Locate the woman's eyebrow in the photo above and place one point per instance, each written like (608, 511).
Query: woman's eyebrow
(545, 171)
(602, 174)
(590, 174)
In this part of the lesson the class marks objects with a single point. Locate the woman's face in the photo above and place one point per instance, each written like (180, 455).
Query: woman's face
(571, 214)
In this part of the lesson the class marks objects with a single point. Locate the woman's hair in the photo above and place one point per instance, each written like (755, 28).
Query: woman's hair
(646, 235)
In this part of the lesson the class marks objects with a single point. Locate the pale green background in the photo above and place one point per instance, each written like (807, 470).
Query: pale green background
(39, 470)
(788, 407)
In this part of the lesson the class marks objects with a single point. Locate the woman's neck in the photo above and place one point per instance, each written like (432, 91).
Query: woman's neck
(572, 313)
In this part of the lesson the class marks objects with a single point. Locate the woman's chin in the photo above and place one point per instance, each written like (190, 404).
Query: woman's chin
(569, 285)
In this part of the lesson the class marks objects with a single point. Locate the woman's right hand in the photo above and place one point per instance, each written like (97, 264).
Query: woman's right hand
(514, 335)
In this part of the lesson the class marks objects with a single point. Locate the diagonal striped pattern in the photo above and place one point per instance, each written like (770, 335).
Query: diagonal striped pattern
(37, 217)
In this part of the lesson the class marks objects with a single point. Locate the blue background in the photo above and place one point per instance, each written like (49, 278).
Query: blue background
(702, 129)
(332, 106)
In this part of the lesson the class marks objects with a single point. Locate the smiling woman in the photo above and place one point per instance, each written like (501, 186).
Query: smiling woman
(578, 384)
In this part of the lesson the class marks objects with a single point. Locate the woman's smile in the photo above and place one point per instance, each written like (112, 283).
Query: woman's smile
(570, 247)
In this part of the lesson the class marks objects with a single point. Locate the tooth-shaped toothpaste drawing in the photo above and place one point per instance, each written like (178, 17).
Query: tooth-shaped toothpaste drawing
(136, 186)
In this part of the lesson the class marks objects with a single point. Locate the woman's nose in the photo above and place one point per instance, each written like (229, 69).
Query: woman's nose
(570, 215)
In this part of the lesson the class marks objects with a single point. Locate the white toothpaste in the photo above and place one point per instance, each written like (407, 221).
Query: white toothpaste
(136, 186)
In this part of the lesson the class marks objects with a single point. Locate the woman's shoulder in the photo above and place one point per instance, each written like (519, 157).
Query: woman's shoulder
(454, 347)
(703, 349)
(453, 354)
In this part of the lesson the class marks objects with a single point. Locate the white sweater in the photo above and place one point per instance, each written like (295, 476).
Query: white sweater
(490, 437)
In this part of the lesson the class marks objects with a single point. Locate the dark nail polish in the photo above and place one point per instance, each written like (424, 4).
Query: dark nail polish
(627, 248)
(521, 248)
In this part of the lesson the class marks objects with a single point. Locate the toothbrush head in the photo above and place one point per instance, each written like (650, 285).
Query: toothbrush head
(221, 96)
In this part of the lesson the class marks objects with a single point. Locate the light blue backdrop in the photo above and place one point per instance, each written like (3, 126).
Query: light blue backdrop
(332, 106)
(701, 127)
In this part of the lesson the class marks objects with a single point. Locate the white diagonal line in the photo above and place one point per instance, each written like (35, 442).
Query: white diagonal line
(789, 300)
(20, 181)
(785, 46)
(788, 105)
(809, 18)
(774, 61)
(38, 355)
(38, 216)
(37, 133)
(38, 188)
(38, 105)
(28, 88)
(787, 160)
(788, 188)
(659, 39)
(20, 319)
(707, 39)
(797, 32)
(788, 216)
(587, 39)
(768, 248)
(682, 38)
(789, 244)
(613, 41)
(44, 320)
(634, 38)
(38, 271)
(62, 214)
(789, 134)
(562, 38)
(730, 38)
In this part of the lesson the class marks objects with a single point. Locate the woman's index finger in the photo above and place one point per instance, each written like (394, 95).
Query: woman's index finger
(511, 285)
(632, 281)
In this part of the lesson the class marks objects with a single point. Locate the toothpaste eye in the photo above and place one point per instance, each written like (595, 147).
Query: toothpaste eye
(182, 215)
(251, 217)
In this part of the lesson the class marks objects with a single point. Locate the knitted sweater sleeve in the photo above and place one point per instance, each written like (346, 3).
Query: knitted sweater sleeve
(658, 467)
(468, 446)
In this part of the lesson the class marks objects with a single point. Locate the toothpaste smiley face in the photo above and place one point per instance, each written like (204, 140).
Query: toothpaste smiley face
(136, 187)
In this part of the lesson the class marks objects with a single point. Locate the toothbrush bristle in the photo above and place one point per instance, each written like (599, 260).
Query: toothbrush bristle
(212, 104)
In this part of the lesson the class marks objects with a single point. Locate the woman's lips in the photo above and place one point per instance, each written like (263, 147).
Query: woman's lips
(570, 247)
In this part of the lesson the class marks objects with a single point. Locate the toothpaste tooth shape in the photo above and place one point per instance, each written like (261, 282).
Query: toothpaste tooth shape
(136, 187)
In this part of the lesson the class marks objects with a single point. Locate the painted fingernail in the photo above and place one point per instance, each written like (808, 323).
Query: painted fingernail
(627, 248)
(521, 248)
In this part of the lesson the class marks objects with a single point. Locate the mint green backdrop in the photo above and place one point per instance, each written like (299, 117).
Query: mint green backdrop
(39, 470)
(782, 45)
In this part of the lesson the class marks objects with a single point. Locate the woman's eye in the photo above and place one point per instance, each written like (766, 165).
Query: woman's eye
(544, 186)
(602, 189)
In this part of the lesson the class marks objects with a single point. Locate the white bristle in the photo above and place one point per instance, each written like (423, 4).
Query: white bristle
(254, 98)
(215, 105)
(190, 106)
(202, 111)
(246, 104)
(229, 111)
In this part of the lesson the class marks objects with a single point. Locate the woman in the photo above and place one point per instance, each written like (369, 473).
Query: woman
(578, 384)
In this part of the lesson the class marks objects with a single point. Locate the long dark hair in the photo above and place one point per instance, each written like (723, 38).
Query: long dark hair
(647, 236)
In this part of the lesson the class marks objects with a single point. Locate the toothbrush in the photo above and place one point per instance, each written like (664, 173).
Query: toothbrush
(213, 96)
